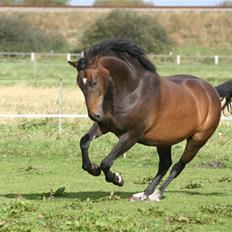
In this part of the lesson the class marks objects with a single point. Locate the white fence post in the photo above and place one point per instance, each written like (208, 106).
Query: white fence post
(216, 60)
(178, 60)
(33, 59)
(60, 102)
(68, 56)
(32, 56)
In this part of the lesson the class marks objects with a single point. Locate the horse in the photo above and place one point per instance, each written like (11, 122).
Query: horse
(126, 96)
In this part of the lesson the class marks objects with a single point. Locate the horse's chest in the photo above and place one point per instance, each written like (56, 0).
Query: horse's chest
(111, 126)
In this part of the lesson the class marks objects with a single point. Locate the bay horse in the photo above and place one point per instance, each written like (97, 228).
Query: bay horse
(125, 95)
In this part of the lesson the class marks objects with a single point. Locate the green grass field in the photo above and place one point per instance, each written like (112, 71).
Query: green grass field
(35, 161)
(26, 89)
(48, 73)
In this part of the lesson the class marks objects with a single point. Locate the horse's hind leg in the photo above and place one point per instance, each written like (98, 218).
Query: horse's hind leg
(192, 147)
(165, 162)
(85, 141)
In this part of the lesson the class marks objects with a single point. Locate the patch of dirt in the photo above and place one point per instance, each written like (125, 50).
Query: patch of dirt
(211, 164)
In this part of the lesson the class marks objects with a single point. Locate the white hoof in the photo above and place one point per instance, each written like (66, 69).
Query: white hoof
(118, 177)
(155, 196)
(138, 197)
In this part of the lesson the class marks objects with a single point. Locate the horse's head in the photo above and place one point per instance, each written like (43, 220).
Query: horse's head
(93, 80)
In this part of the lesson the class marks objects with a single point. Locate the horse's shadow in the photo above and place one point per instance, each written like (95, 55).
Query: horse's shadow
(99, 195)
(82, 196)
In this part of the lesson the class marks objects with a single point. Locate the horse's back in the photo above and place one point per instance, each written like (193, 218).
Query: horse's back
(194, 86)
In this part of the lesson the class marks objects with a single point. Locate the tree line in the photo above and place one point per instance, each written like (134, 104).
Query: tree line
(35, 2)
(67, 2)
(96, 2)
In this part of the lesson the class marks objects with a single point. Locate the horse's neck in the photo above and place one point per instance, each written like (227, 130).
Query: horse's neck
(124, 75)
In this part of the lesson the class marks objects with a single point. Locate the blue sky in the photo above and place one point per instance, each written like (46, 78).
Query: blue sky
(161, 2)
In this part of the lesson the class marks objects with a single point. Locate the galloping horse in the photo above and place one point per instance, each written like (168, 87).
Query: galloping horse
(125, 95)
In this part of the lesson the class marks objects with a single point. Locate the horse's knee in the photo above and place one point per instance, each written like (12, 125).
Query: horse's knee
(84, 142)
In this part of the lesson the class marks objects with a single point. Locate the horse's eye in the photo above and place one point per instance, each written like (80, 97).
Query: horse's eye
(94, 82)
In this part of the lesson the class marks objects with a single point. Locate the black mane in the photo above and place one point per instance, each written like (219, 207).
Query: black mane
(121, 49)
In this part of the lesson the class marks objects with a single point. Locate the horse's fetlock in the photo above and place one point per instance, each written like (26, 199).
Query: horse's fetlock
(104, 165)
(84, 167)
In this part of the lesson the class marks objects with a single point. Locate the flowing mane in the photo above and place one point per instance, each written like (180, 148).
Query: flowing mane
(121, 49)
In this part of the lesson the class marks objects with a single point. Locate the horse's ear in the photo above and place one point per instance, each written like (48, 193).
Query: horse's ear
(73, 63)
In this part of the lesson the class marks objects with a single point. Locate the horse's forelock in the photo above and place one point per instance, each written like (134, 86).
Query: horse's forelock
(82, 64)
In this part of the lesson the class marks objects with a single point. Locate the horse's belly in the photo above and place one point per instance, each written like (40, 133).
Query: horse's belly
(168, 134)
(156, 141)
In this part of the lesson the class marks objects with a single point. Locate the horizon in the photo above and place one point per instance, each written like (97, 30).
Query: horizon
(159, 2)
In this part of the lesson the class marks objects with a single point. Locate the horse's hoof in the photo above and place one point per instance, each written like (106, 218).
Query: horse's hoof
(118, 179)
(96, 170)
(138, 197)
(114, 178)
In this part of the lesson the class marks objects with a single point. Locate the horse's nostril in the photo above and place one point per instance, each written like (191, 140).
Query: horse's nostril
(97, 116)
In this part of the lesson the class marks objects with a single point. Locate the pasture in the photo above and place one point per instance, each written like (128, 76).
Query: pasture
(36, 163)
(26, 88)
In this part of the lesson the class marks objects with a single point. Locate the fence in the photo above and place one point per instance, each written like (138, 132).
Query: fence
(35, 60)
(171, 58)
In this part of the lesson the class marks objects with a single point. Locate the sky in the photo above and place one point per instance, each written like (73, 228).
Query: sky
(162, 2)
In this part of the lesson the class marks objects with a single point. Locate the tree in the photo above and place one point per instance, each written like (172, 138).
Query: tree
(122, 3)
(9, 2)
(225, 3)
(19, 35)
(45, 2)
(143, 30)
(36, 2)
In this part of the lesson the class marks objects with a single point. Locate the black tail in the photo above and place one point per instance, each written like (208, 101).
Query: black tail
(225, 92)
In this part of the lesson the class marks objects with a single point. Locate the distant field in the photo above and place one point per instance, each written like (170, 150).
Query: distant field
(25, 88)
(47, 74)
(35, 161)
(40, 100)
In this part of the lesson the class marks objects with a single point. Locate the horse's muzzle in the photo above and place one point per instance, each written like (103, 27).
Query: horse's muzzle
(95, 117)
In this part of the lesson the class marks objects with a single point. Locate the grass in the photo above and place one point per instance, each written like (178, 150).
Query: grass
(21, 92)
(36, 163)
(20, 99)
(213, 74)
(49, 74)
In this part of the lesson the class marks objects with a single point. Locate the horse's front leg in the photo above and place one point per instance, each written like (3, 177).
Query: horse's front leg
(125, 142)
(85, 141)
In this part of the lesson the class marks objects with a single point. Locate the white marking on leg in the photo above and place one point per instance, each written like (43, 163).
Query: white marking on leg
(84, 80)
(155, 196)
(138, 197)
